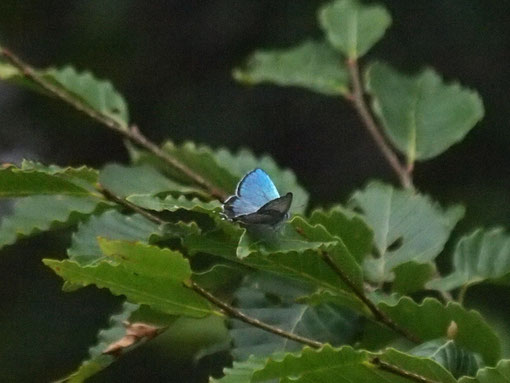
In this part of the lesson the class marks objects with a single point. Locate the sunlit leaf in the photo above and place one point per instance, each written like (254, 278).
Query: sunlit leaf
(420, 114)
(330, 364)
(407, 227)
(478, 257)
(144, 274)
(312, 65)
(169, 203)
(353, 28)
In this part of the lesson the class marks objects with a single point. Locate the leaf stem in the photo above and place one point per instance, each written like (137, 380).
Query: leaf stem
(401, 372)
(234, 313)
(358, 100)
(379, 315)
(121, 201)
(131, 133)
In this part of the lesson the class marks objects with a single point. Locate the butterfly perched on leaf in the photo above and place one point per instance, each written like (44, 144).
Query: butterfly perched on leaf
(257, 201)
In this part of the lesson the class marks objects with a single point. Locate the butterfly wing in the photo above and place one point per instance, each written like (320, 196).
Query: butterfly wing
(272, 213)
(253, 192)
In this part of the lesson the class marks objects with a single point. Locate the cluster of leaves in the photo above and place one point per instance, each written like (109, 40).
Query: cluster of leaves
(358, 281)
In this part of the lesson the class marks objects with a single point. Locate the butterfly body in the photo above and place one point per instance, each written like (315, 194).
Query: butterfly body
(257, 201)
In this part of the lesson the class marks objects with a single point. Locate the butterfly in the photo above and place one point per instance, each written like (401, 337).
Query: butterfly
(257, 201)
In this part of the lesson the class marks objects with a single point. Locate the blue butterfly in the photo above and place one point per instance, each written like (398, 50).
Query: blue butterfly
(257, 202)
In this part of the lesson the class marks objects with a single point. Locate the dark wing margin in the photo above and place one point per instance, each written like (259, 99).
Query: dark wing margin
(271, 213)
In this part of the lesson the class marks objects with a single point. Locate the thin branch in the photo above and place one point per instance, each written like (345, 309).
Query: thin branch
(358, 100)
(234, 313)
(132, 134)
(401, 372)
(379, 315)
(121, 201)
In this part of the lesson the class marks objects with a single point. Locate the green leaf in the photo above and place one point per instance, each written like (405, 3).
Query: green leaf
(224, 169)
(407, 227)
(100, 95)
(430, 320)
(353, 28)
(347, 225)
(170, 203)
(97, 360)
(40, 213)
(16, 182)
(271, 299)
(113, 225)
(295, 253)
(420, 114)
(311, 65)
(89, 175)
(478, 257)
(451, 356)
(124, 181)
(411, 277)
(144, 274)
(498, 374)
(330, 364)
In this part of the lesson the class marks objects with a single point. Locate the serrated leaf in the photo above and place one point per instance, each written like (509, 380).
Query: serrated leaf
(144, 274)
(127, 180)
(451, 356)
(100, 95)
(84, 173)
(411, 277)
(271, 299)
(407, 227)
(295, 253)
(113, 225)
(224, 169)
(347, 225)
(16, 182)
(353, 28)
(498, 374)
(478, 257)
(97, 360)
(430, 320)
(330, 364)
(337, 298)
(420, 114)
(170, 203)
(311, 65)
(40, 213)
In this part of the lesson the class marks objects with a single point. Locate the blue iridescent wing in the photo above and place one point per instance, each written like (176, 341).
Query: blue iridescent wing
(254, 191)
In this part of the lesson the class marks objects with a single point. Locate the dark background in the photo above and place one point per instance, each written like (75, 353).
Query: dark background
(172, 61)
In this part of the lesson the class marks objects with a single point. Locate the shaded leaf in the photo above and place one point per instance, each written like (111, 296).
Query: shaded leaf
(100, 95)
(89, 175)
(330, 364)
(421, 115)
(411, 277)
(430, 320)
(40, 213)
(312, 65)
(451, 356)
(353, 28)
(498, 374)
(113, 225)
(15, 182)
(170, 203)
(407, 227)
(347, 225)
(271, 299)
(478, 257)
(144, 274)
(127, 180)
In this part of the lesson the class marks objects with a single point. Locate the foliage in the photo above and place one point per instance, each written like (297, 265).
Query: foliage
(356, 283)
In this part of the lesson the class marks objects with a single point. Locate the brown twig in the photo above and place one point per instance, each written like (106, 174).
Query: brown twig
(358, 100)
(379, 315)
(401, 372)
(137, 209)
(131, 133)
(234, 313)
